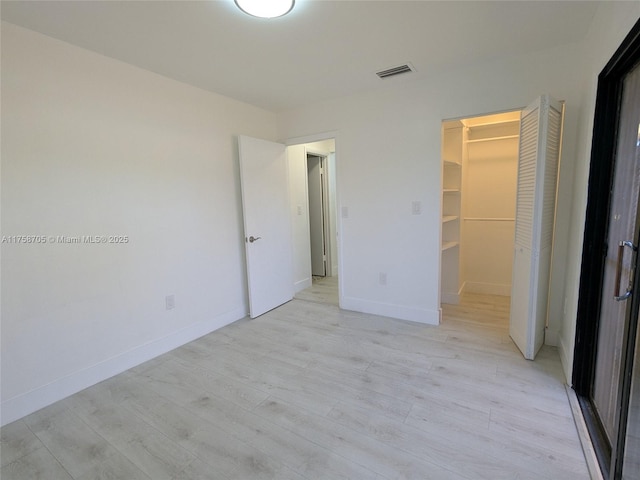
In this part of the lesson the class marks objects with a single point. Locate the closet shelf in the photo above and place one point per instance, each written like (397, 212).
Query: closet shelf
(448, 245)
(449, 218)
(491, 139)
(452, 163)
(488, 219)
(450, 190)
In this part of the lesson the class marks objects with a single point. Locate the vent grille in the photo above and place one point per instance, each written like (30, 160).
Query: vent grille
(391, 72)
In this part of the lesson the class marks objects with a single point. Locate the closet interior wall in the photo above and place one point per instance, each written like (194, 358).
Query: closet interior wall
(489, 185)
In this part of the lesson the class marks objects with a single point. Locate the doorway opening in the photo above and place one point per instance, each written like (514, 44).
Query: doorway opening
(479, 184)
(312, 176)
(318, 192)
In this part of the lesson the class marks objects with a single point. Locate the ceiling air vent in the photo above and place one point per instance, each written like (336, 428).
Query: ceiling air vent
(392, 72)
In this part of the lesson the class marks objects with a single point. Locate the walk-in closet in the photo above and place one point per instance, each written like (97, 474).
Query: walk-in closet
(480, 164)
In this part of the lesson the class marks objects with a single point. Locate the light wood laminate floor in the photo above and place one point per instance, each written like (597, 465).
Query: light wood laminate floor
(322, 290)
(308, 391)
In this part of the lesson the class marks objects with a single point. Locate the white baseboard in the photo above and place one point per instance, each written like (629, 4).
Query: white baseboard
(488, 288)
(29, 402)
(302, 284)
(431, 317)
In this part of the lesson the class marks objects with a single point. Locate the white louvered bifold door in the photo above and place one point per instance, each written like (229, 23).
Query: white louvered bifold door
(539, 153)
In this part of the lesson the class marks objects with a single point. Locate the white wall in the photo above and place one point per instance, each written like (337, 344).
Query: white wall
(298, 187)
(611, 24)
(390, 156)
(92, 146)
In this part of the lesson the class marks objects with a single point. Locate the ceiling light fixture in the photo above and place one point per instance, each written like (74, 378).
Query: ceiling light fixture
(265, 8)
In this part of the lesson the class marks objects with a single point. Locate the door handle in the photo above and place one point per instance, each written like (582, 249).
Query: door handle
(254, 239)
(616, 293)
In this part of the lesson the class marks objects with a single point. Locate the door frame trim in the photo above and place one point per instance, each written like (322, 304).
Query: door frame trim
(603, 153)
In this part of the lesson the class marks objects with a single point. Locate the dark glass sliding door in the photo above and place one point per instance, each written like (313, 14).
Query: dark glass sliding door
(605, 374)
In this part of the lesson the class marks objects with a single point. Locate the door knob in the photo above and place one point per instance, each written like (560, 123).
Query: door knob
(253, 239)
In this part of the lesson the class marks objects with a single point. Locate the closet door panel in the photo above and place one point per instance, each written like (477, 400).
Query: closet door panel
(520, 293)
(538, 160)
(552, 139)
(541, 300)
(525, 196)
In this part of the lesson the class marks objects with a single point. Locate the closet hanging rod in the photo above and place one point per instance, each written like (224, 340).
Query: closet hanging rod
(489, 219)
(490, 139)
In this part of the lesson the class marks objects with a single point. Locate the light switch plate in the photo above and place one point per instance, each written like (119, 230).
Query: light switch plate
(170, 302)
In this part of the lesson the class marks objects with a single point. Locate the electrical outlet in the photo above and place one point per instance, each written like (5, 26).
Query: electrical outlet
(383, 278)
(170, 302)
(416, 207)
(345, 212)
(299, 209)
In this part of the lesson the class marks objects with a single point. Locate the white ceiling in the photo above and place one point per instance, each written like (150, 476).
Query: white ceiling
(323, 49)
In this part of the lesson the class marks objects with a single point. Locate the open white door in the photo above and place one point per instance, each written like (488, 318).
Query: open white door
(538, 161)
(267, 223)
(316, 215)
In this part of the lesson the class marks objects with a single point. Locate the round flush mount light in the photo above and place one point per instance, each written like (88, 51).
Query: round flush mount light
(265, 8)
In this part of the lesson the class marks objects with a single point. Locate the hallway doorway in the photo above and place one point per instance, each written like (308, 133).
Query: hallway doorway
(313, 185)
